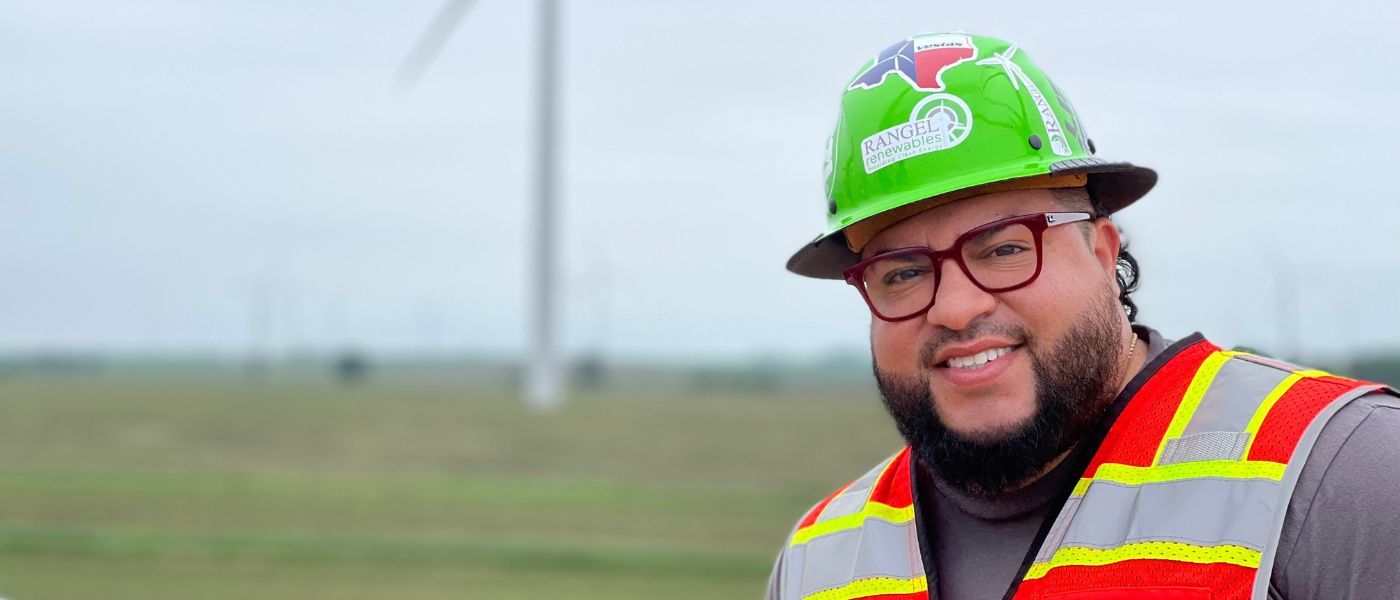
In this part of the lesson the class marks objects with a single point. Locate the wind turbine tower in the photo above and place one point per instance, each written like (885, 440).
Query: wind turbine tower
(545, 385)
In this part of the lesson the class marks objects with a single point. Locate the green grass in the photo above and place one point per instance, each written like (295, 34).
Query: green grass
(215, 487)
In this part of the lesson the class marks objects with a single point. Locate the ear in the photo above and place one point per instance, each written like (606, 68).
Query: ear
(1105, 242)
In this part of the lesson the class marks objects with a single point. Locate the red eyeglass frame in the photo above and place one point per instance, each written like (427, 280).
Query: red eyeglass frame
(1036, 222)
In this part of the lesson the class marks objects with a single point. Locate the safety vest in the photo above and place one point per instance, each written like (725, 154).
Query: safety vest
(1184, 497)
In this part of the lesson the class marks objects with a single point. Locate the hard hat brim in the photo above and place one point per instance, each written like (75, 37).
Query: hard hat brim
(1115, 184)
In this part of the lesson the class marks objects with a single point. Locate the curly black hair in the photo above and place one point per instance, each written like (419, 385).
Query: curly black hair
(1127, 271)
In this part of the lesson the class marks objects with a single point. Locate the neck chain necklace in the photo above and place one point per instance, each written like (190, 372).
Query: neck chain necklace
(1124, 373)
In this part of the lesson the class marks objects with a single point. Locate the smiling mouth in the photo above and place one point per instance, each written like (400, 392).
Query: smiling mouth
(978, 360)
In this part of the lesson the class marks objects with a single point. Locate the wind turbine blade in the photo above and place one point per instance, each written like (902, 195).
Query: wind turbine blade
(431, 42)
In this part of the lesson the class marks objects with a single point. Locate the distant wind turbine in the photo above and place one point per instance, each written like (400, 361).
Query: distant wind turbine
(544, 389)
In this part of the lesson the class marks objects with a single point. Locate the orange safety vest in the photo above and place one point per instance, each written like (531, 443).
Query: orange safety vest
(1183, 499)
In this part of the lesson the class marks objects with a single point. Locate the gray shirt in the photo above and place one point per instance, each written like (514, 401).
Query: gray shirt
(1340, 540)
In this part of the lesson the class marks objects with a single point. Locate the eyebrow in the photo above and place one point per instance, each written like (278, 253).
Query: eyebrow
(880, 251)
(986, 234)
(977, 238)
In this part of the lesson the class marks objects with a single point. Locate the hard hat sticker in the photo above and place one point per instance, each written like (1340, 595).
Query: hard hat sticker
(1073, 125)
(829, 165)
(937, 122)
(1058, 144)
(920, 61)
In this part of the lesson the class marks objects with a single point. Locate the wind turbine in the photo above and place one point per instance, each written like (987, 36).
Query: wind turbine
(544, 389)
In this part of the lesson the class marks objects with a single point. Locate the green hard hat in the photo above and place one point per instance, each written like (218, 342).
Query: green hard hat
(943, 116)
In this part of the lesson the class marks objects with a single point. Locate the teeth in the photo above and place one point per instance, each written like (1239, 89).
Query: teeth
(976, 361)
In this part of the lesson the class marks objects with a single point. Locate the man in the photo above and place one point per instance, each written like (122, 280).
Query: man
(1055, 449)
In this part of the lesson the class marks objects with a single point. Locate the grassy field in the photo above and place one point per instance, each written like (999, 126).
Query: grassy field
(186, 486)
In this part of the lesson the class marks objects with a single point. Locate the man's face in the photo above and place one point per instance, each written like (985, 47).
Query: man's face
(1059, 335)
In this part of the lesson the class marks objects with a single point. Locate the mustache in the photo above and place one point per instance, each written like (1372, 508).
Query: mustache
(974, 330)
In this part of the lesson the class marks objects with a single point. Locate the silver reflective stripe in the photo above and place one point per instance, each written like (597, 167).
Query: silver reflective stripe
(1202, 512)
(854, 498)
(795, 559)
(1059, 529)
(1211, 445)
(1272, 362)
(1290, 480)
(876, 549)
(1233, 396)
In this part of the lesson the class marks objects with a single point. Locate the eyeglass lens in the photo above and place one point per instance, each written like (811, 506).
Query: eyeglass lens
(903, 285)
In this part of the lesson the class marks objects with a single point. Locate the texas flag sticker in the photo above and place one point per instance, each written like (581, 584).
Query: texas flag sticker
(920, 60)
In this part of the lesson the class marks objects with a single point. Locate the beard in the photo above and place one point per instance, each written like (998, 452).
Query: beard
(1075, 382)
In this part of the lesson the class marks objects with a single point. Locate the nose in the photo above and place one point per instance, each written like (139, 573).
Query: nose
(958, 301)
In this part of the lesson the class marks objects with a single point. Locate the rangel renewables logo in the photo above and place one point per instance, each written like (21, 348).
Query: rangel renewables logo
(939, 121)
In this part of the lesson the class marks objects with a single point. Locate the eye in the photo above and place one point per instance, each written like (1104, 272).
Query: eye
(903, 275)
(1007, 250)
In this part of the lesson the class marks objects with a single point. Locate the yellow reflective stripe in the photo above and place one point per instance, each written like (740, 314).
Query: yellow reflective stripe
(871, 510)
(874, 586)
(1228, 469)
(1264, 407)
(1189, 402)
(1176, 551)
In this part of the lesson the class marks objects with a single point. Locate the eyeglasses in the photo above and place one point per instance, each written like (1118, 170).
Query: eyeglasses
(1000, 256)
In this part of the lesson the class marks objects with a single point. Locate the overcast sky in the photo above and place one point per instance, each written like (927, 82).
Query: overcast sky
(172, 169)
